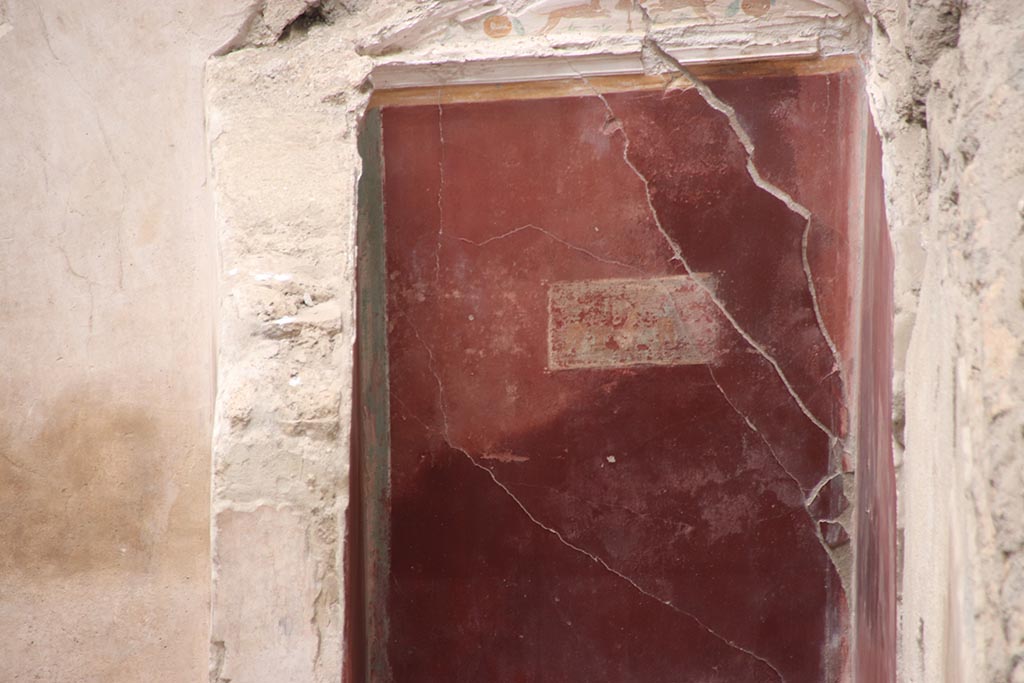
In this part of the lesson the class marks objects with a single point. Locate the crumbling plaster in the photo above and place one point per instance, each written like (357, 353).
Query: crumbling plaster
(947, 85)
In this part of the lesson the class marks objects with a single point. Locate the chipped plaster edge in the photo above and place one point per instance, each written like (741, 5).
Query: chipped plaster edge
(283, 169)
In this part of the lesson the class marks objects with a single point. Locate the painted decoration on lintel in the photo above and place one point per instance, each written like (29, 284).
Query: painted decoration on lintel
(561, 23)
(553, 17)
(548, 16)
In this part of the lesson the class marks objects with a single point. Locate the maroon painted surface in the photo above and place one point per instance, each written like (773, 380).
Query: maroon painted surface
(876, 486)
(637, 515)
(798, 149)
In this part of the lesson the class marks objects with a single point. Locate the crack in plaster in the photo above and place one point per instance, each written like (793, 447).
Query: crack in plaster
(677, 254)
(104, 138)
(22, 466)
(554, 532)
(757, 431)
(583, 500)
(807, 498)
(813, 289)
(88, 282)
(760, 181)
(565, 243)
(820, 485)
(410, 413)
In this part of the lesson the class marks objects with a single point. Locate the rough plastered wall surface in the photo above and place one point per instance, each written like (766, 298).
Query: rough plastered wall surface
(947, 86)
(106, 347)
(283, 149)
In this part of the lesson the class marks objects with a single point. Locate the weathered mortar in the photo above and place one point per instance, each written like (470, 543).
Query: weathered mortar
(285, 207)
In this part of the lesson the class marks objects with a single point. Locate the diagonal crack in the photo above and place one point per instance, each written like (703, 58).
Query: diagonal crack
(807, 498)
(758, 432)
(562, 539)
(816, 490)
(677, 254)
(569, 245)
(22, 466)
(713, 101)
(716, 103)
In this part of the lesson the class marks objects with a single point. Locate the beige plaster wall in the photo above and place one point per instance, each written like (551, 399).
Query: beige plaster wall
(107, 300)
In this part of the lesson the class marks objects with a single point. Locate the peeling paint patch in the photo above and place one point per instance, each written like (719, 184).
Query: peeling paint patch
(504, 457)
(630, 322)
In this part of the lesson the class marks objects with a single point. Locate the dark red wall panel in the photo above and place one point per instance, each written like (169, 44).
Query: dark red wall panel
(876, 482)
(616, 420)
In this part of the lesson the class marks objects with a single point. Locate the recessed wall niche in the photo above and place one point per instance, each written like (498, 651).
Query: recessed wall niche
(622, 355)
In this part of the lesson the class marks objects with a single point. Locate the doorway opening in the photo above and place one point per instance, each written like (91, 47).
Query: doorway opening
(623, 381)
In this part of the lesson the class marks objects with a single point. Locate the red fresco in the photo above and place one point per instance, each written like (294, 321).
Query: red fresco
(614, 414)
(876, 486)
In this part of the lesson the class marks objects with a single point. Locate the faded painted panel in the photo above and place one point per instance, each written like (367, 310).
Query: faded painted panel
(620, 323)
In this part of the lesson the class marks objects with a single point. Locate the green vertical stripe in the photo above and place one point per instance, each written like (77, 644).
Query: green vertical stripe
(374, 415)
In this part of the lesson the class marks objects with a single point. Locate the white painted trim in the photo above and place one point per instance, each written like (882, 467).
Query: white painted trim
(566, 66)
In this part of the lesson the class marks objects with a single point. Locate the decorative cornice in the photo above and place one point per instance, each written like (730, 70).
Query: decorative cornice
(559, 66)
